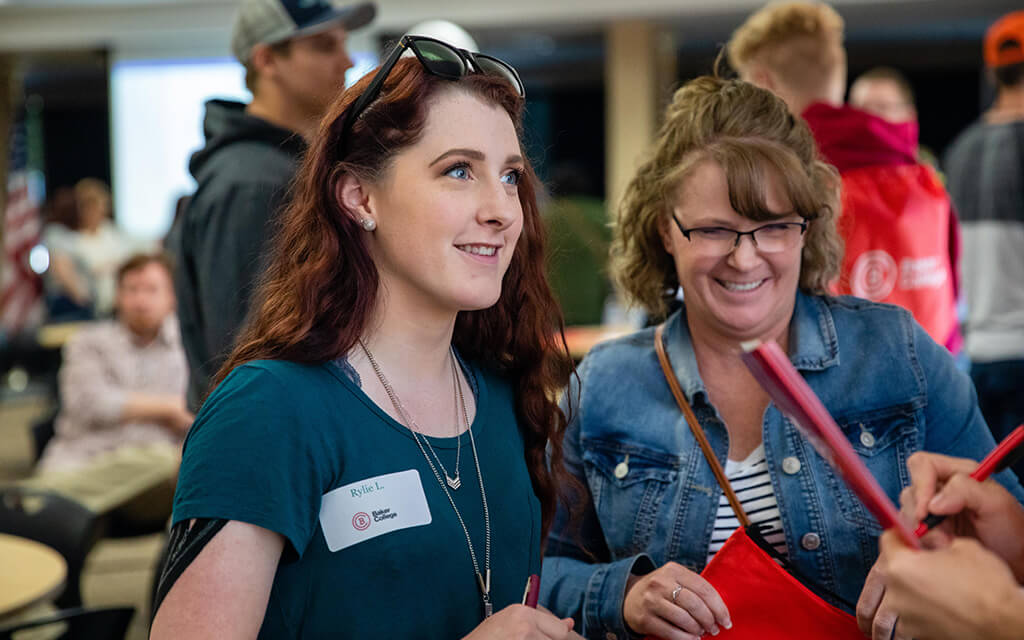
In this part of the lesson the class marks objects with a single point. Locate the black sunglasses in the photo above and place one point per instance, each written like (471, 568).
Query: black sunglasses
(438, 58)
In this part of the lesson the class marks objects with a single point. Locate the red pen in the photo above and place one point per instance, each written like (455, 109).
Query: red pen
(1005, 454)
(532, 591)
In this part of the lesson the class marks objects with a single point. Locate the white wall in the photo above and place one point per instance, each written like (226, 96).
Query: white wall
(156, 114)
(156, 124)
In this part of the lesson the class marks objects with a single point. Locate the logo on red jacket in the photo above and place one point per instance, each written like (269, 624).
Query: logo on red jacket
(874, 275)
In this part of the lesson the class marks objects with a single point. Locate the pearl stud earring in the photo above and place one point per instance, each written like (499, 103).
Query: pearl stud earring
(369, 224)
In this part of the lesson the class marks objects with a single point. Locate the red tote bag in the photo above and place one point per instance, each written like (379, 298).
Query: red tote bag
(765, 601)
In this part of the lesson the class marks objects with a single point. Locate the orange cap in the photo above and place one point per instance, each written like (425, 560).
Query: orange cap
(1004, 41)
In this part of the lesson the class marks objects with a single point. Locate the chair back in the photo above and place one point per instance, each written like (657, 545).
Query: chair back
(108, 623)
(58, 522)
(43, 431)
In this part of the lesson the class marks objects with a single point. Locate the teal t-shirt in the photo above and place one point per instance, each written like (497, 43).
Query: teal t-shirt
(276, 438)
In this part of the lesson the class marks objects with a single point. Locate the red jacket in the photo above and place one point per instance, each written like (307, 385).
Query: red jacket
(900, 230)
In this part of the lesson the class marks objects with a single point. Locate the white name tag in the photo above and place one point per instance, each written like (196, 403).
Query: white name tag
(373, 507)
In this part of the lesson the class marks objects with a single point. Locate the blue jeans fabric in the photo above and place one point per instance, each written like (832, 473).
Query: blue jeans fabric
(889, 386)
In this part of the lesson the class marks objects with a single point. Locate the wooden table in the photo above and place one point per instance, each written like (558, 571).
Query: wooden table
(581, 338)
(55, 335)
(32, 573)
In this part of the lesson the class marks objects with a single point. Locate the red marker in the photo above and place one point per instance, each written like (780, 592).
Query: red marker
(1005, 454)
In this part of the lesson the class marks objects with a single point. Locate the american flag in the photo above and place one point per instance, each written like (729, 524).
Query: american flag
(21, 301)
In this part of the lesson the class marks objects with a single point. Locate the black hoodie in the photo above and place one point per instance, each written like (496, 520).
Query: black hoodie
(243, 174)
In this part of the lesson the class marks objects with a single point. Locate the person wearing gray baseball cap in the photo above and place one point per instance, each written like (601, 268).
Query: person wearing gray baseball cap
(295, 60)
(270, 21)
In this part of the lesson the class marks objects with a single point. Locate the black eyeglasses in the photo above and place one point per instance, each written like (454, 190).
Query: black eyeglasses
(440, 59)
(720, 241)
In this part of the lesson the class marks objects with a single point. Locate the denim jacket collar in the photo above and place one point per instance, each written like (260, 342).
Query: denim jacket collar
(813, 335)
(813, 341)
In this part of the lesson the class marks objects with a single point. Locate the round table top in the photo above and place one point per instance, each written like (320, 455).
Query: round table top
(32, 573)
(53, 336)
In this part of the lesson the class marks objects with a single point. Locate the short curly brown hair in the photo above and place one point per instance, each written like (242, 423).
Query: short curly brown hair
(749, 132)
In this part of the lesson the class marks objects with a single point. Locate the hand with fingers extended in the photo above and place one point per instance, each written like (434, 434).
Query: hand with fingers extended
(519, 622)
(960, 592)
(983, 510)
(674, 603)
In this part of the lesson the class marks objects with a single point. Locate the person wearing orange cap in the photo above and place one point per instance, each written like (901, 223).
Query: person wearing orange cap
(985, 171)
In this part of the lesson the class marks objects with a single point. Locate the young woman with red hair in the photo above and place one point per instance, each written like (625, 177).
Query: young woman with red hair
(372, 461)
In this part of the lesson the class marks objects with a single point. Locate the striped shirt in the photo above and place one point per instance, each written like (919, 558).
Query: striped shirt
(753, 486)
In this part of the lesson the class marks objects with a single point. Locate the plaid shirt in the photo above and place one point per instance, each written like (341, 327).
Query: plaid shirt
(102, 364)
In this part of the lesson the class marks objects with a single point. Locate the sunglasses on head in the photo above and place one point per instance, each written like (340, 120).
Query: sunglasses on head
(438, 58)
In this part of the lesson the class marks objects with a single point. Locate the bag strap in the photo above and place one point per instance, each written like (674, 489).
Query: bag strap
(698, 431)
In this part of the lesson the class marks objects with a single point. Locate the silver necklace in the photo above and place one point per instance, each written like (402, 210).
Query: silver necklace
(483, 579)
(455, 482)
(457, 398)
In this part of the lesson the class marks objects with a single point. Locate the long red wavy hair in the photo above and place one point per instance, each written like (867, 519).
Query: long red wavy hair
(320, 287)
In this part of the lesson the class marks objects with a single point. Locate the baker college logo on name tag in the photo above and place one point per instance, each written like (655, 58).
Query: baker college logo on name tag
(372, 507)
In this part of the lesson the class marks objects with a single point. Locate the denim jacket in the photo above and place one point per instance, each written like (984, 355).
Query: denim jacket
(887, 384)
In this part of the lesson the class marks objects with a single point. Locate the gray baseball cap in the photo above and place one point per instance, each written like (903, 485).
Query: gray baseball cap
(270, 21)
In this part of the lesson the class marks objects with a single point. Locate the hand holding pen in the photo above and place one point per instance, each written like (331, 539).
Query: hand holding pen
(514, 622)
(532, 591)
(531, 594)
(986, 511)
(1005, 454)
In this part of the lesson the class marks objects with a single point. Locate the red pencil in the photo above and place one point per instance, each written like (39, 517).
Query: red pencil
(1006, 453)
(771, 367)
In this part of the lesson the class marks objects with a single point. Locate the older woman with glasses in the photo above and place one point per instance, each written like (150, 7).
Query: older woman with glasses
(734, 210)
(373, 462)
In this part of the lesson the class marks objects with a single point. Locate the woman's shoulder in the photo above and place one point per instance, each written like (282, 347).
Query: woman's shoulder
(881, 350)
(258, 382)
(854, 324)
(56, 230)
(266, 399)
(619, 356)
(857, 315)
(284, 371)
(57, 236)
(861, 306)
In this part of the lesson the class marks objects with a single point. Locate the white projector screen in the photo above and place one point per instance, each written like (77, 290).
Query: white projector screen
(156, 113)
(156, 123)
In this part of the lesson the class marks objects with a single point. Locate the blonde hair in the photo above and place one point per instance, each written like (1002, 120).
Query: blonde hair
(752, 135)
(800, 42)
(92, 191)
(92, 188)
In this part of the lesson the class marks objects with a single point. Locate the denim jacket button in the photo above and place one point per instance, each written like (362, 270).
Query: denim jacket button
(791, 465)
(621, 470)
(867, 439)
(810, 541)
